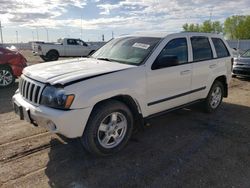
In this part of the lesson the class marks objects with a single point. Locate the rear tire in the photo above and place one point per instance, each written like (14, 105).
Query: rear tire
(52, 55)
(214, 98)
(44, 58)
(109, 128)
(6, 77)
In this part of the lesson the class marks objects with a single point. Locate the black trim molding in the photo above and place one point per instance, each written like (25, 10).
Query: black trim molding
(176, 96)
(170, 110)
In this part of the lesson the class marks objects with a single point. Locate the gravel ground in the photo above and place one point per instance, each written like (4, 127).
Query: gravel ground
(185, 148)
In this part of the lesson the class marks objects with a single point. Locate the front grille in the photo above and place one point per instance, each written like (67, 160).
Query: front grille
(30, 90)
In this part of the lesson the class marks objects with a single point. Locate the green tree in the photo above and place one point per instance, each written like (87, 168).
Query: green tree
(207, 27)
(237, 27)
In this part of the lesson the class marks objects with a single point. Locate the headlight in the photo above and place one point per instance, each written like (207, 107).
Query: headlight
(56, 98)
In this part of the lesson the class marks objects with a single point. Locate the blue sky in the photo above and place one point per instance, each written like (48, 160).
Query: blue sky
(65, 18)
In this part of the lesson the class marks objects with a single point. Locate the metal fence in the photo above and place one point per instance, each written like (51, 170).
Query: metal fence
(28, 46)
(241, 44)
(21, 46)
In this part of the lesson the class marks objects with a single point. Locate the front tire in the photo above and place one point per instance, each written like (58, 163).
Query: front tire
(109, 128)
(6, 77)
(215, 97)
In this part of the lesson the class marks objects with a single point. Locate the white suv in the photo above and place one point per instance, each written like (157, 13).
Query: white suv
(129, 80)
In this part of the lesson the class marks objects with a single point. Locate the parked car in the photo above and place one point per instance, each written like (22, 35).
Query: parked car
(12, 64)
(122, 85)
(237, 52)
(67, 47)
(241, 66)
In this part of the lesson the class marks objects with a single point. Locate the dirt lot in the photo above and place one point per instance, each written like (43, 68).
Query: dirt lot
(186, 148)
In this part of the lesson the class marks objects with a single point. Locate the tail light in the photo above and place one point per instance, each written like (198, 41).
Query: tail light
(232, 62)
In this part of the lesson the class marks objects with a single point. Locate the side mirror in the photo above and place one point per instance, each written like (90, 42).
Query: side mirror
(165, 61)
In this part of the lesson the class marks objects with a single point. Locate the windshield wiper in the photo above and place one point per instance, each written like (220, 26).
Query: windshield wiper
(114, 60)
(104, 59)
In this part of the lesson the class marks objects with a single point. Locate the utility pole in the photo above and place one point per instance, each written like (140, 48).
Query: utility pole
(47, 31)
(33, 36)
(81, 28)
(37, 36)
(238, 42)
(211, 14)
(1, 32)
(17, 37)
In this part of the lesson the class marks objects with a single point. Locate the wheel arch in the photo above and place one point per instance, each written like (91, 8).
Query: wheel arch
(131, 103)
(6, 65)
(53, 50)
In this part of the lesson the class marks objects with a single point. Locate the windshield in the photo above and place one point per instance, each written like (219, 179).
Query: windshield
(128, 50)
(246, 53)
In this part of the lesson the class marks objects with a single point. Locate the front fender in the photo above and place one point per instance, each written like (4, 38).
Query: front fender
(130, 82)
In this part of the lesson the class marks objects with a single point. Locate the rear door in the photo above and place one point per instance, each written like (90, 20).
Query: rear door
(169, 87)
(203, 65)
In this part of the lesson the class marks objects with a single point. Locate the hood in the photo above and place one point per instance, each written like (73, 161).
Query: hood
(62, 72)
(243, 60)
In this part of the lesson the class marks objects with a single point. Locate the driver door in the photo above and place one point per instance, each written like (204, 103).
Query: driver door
(169, 86)
(83, 49)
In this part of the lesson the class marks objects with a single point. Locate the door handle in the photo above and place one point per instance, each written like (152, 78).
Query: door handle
(212, 66)
(185, 72)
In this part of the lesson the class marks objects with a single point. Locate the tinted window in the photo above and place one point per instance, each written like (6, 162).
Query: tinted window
(72, 42)
(81, 43)
(178, 48)
(220, 48)
(201, 49)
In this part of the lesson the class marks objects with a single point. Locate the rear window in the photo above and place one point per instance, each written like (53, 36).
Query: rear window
(220, 48)
(201, 49)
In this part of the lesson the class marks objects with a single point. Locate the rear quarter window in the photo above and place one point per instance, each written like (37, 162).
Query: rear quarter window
(220, 48)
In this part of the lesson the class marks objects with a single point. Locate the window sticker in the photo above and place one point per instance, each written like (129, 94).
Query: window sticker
(141, 45)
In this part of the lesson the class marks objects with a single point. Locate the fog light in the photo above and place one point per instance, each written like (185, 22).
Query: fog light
(51, 126)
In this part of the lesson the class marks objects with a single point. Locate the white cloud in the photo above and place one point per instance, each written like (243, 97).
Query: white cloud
(30, 10)
(127, 15)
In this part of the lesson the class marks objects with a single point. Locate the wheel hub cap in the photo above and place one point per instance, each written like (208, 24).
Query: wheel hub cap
(5, 77)
(216, 97)
(112, 130)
